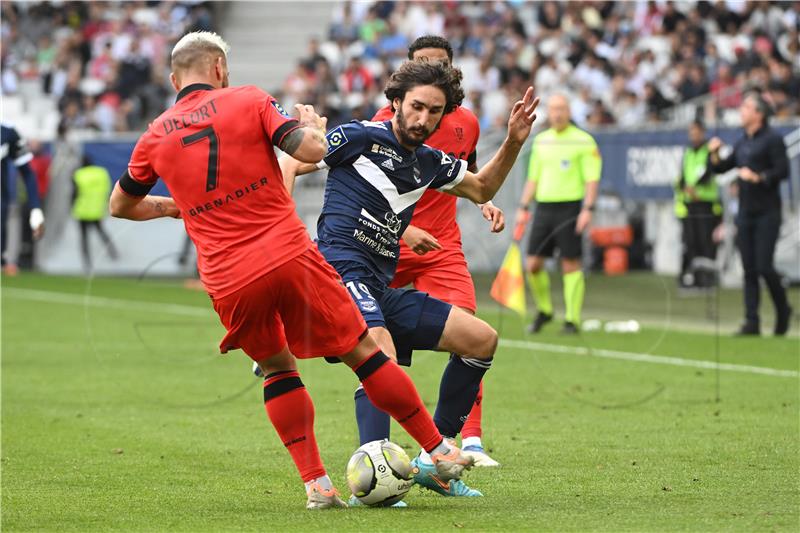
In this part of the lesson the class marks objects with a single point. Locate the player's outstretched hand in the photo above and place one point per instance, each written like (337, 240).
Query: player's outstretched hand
(420, 241)
(495, 215)
(522, 116)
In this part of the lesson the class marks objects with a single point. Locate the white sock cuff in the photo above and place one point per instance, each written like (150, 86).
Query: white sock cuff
(471, 441)
(484, 364)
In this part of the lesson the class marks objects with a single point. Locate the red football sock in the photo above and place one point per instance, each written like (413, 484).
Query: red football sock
(392, 391)
(291, 411)
(472, 427)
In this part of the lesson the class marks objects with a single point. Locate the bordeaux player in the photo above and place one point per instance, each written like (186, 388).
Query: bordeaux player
(274, 293)
(378, 172)
(431, 258)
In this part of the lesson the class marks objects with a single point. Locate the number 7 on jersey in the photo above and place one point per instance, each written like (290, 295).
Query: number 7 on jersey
(213, 155)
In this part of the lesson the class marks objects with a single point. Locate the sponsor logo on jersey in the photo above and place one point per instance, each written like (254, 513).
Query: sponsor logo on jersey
(417, 174)
(336, 139)
(453, 166)
(393, 222)
(388, 152)
(388, 164)
(564, 164)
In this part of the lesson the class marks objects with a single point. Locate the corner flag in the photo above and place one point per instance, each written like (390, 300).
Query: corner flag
(509, 285)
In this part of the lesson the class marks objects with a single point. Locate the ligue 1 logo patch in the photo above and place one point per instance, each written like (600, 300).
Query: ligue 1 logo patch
(336, 139)
(279, 108)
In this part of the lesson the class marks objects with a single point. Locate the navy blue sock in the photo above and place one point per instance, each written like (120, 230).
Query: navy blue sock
(373, 424)
(457, 392)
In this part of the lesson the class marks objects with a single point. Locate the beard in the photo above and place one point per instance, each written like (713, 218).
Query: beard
(414, 136)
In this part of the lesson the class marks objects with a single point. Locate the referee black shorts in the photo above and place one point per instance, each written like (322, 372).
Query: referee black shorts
(554, 227)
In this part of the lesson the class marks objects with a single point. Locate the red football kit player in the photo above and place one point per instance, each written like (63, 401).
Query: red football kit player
(436, 264)
(273, 291)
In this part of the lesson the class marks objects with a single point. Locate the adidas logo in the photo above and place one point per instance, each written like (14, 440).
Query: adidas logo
(388, 164)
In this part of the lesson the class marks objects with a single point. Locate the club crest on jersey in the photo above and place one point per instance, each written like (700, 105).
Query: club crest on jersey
(279, 108)
(460, 133)
(565, 164)
(368, 306)
(336, 139)
(388, 164)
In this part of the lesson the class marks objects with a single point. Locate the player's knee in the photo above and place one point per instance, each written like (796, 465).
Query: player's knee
(487, 343)
(570, 265)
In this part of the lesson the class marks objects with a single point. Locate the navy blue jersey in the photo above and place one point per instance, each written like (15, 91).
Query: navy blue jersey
(15, 153)
(372, 188)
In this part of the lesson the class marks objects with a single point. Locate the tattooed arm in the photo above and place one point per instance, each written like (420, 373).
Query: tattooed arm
(307, 143)
(123, 205)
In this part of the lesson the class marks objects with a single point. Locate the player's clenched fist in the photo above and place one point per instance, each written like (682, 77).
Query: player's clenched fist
(309, 118)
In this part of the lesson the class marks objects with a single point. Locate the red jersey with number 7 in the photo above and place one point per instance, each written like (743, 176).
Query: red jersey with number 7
(214, 151)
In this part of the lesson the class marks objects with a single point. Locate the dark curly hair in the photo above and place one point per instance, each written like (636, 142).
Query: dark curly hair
(431, 41)
(415, 74)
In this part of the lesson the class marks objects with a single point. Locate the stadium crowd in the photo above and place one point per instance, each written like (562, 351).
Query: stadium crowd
(624, 63)
(105, 64)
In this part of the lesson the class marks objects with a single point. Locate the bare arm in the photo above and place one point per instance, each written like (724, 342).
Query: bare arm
(528, 194)
(122, 205)
(481, 187)
(590, 197)
(291, 168)
(307, 143)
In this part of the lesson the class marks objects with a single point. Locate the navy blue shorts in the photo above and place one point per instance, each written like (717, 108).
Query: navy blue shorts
(414, 319)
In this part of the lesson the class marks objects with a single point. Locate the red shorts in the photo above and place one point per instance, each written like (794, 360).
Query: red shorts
(442, 274)
(301, 303)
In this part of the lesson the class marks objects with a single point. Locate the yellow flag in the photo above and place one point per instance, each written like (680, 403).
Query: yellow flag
(509, 285)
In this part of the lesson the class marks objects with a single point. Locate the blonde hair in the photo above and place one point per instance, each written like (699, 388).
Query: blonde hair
(198, 47)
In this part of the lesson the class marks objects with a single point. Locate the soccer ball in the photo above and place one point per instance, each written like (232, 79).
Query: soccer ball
(380, 473)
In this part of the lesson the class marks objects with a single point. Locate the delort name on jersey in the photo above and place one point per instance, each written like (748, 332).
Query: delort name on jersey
(195, 117)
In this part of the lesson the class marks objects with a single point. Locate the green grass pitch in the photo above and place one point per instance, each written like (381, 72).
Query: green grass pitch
(119, 415)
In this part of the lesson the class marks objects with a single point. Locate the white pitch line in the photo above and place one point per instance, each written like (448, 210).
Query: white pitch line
(100, 301)
(190, 310)
(646, 358)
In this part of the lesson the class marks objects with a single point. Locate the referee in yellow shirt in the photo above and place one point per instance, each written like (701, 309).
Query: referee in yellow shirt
(563, 177)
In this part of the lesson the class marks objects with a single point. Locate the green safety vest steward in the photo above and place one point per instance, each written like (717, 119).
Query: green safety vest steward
(93, 185)
(562, 163)
(694, 168)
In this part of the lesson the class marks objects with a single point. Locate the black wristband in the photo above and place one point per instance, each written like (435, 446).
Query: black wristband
(588, 208)
(524, 207)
